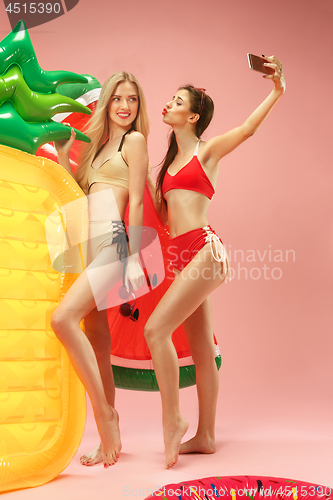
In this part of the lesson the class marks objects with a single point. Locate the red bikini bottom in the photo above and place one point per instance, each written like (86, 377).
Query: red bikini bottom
(183, 248)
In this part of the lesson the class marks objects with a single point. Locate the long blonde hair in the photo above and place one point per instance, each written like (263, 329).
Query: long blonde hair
(98, 129)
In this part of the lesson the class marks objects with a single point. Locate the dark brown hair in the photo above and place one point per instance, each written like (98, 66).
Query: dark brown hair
(197, 100)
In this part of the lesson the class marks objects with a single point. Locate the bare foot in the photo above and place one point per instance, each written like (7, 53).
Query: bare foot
(94, 457)
(172, 439)
(198, 444)
(108, 429)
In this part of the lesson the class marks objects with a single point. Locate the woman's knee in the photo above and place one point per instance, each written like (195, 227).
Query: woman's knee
(203, 356)
(61, 322)
(150, 333)
(58, 322)
(204, 362)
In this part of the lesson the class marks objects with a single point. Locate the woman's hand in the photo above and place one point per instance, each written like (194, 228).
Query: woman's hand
(278, 76)
(63, 147)
(134, 273)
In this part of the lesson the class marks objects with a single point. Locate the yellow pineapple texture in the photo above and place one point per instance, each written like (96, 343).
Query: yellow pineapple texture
(42, 402)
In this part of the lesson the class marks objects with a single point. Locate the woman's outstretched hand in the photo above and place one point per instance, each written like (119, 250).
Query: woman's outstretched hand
(278, 75)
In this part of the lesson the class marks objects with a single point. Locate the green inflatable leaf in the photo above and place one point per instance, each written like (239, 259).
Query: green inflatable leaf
(76, 90)
(16, 48)
(27, 96)
(33, 106)
(17, 133)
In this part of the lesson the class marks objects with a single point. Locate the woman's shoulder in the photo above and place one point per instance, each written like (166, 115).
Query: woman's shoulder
(135, 143)
(135, 137)
(201, 147)
(202, 144)
(204, 154)
(135, 146)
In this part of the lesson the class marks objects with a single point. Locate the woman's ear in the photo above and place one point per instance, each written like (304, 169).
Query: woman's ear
(194, 118)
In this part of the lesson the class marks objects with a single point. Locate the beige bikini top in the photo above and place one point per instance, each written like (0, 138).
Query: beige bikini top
(113, 171)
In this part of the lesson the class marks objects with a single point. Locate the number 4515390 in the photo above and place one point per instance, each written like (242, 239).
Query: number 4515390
(33, 8)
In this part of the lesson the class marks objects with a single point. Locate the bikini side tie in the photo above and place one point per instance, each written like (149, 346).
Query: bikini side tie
(216, 245)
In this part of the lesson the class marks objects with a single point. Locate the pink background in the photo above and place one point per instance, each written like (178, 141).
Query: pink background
(274, 193)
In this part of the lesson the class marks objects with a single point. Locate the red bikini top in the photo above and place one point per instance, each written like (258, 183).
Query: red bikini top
(191, 177)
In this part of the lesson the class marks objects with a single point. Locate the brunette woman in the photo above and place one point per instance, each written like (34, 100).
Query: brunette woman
(185, 186)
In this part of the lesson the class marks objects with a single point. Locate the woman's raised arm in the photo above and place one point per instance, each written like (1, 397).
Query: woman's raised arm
(222, 145)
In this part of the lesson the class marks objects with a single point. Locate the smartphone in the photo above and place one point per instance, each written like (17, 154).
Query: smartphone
(257, 63)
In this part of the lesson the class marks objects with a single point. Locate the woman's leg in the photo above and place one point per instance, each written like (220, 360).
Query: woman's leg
(191, 287)
(65, 321)
(98, 333)
(199, 332)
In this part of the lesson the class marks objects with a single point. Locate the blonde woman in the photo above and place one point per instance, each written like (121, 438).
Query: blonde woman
(112, 171)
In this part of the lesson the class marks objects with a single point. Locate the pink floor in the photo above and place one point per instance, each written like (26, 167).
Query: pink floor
(247, 444)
